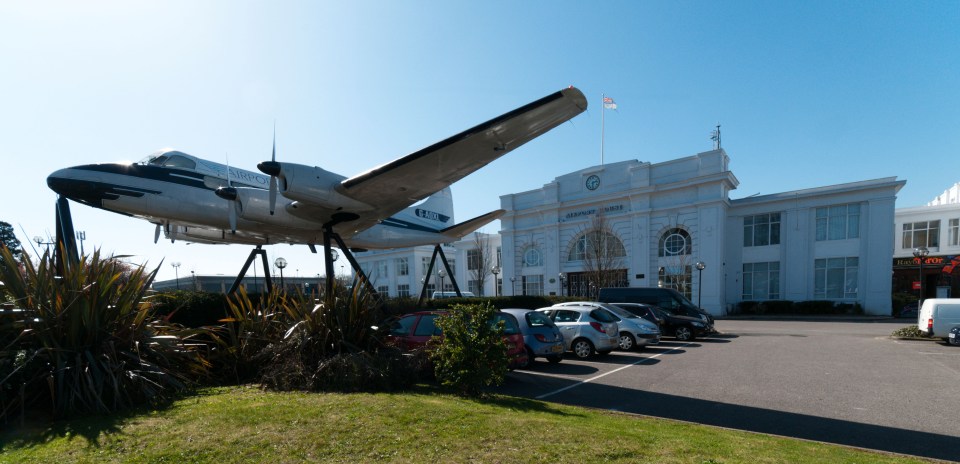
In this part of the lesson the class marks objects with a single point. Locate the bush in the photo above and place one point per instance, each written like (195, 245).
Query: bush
(471, 354)
(910, 331)
(87, 342)
(191, 309)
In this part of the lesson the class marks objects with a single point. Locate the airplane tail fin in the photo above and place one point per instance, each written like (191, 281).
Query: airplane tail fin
(433, 213)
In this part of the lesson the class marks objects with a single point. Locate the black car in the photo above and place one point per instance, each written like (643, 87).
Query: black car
(954, 337)
(684, 328)
(645, 311)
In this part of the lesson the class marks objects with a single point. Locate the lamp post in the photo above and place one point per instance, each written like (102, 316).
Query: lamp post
(176, 272)
(496, 283)
(280, 263)
(700, 266)
(513, 286)
(81, 235)
(921, 254)
(441, 273)
(40, 242)
(193, 277)
(563, 282)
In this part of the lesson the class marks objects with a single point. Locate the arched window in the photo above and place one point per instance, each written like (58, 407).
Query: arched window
(532, 258)
(596, 243)
(675, 242)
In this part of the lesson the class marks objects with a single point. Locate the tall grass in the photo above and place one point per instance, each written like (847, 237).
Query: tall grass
(86, 341)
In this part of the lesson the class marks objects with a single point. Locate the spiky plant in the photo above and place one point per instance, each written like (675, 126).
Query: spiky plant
(86, 341)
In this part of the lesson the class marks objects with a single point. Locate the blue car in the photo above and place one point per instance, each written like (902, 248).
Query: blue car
(541, 336)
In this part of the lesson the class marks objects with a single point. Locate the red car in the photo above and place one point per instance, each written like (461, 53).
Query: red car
(414, 330)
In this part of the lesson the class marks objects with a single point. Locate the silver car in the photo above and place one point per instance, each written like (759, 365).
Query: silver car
(635, 331)
(585, 330)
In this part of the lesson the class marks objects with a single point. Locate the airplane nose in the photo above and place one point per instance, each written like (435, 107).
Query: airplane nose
(66, 183)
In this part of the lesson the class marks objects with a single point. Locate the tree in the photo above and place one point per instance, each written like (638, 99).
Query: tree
(603, 254)
(480, 260)
(9, 240)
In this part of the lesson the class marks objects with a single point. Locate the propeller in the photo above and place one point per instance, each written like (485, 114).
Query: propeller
(229, 193)
(272, 169)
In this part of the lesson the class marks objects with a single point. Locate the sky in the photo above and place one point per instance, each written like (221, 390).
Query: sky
(807, 94)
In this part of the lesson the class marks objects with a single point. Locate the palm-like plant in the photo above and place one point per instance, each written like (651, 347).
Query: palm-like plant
(85, 341)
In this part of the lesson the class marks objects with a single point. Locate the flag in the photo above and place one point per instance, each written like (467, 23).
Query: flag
(609, 104)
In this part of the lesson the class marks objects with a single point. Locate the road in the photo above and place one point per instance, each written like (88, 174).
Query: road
(839, 382)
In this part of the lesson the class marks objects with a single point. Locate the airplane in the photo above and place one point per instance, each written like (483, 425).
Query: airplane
(403, 203)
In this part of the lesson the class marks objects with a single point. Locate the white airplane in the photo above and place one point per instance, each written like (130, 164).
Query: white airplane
(406, 202)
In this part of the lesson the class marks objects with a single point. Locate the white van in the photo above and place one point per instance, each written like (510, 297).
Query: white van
(452, 295)
(938, 316)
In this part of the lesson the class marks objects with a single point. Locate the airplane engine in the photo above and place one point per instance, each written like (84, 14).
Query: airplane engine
(315, 186)
(255, 207)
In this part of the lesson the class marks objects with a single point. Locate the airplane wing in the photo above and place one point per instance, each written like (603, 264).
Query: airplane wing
(397, 184)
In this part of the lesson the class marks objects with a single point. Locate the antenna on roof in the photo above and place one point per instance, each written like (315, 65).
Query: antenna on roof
(715, 136)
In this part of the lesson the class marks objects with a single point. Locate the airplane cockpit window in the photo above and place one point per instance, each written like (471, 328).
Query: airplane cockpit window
(176, 161)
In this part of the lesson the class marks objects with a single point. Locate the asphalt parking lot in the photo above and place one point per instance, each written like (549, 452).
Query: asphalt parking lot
(839, 382)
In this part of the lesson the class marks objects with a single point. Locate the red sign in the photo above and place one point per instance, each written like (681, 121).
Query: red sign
(916, 285)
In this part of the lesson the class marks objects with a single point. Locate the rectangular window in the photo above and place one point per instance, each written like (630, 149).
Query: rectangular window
(403, 266)
(836, 278)
(761, 230)
(761, 281)
(381, 270)
(473, 286)
(533, 285)
(954, 232)
(383, 290)
(838, 222)
(474, 259)
(424, 264)
(403, 291)
(921, 234)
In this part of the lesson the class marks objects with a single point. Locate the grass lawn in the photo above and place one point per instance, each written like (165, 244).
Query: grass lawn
(245, 424)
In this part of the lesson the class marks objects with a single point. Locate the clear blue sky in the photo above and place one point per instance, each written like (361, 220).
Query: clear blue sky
(808, 93)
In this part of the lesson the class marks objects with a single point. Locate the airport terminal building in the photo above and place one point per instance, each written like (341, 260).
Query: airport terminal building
(673, 224)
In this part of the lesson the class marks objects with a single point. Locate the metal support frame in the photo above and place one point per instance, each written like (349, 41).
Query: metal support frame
(266, 269)
(66, 241)
(437, 249)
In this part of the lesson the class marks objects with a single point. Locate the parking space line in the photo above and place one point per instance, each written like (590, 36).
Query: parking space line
(568, 387)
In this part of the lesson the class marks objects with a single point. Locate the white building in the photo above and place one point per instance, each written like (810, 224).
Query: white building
(400, 272)
(663, 219)
(936, 229)
(826, 243)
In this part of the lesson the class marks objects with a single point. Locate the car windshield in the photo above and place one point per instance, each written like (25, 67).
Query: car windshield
(509, 323)
(622, 312)
(603, 315)
(538, 319)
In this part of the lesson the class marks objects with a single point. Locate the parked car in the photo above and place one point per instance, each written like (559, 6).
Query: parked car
(541, 336)
(682, 327)
(954, 337)
(436, 295)
(414, 330)
(635, 331)
(938, 316)
(663, 298)
(647, 312)
(585, 330)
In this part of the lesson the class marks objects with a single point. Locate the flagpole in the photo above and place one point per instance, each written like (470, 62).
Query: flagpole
(602, 107)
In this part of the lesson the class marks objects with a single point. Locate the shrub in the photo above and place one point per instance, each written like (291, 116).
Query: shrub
(87, 341)
(471, 354)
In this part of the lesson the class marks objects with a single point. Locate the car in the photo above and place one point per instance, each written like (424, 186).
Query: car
(585, 330)
(436, 295)
(645, 311)
(938, 316)
(683, 328)
(414, 331)
(953, 337)
(635, 331)
(541, 337)
(664, 298)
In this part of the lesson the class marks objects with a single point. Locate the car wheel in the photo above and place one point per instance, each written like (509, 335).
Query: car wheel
(582, 348)
(529, 359)
(627, 342)
(683, 333)
(554, 358)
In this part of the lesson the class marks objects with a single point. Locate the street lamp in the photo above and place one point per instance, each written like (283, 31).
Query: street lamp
(921, 254)
(176, 272)
(441, 273)
(563, 282)
(513, 286)
(40, 242)
(496, 283)
(700, 266)
(280, 263)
